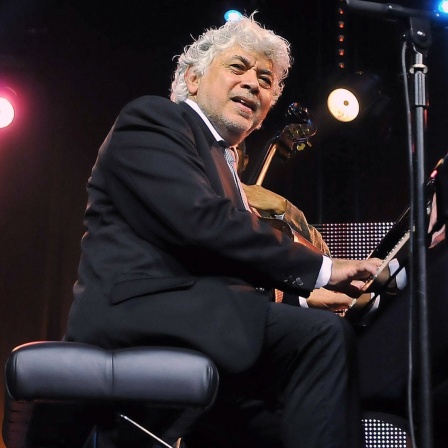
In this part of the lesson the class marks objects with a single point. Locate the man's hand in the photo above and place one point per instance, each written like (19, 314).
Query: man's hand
(329, 300)
(265, 200)
(344, 272)
(440, 235)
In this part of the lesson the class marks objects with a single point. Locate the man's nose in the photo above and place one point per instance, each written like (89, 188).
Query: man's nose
(250, 80)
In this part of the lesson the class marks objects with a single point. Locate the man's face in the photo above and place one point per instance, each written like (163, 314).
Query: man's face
(235, 93)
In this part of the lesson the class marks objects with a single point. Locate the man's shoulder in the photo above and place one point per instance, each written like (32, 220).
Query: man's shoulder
(150, 102)
(153, 106)
(156, 112)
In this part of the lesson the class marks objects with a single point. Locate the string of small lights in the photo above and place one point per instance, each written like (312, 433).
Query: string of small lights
(341, 35)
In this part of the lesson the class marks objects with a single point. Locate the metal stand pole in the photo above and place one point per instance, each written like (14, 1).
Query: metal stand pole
(419, 40)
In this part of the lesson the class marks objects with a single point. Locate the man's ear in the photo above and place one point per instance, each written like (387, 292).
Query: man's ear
(192, 81)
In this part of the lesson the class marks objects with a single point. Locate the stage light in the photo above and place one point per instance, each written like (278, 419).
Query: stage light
(232, 15)
(7, 111)
(353, 95)
(443, 6)
(343, 105)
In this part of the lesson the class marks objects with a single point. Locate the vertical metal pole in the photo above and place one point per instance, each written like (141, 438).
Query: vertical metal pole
(418, 71)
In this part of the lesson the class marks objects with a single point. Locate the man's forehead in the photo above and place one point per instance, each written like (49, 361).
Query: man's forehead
(252, 56)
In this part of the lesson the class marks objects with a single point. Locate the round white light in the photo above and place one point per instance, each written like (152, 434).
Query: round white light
(343, 105)
(6, 113)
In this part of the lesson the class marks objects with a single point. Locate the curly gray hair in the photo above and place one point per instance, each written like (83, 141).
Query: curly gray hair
(245, 32)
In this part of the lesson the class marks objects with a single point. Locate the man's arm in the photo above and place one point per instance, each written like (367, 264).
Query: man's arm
(268, 203)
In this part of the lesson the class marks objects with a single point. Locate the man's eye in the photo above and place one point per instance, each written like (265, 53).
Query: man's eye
(238, 68)
(265, 81)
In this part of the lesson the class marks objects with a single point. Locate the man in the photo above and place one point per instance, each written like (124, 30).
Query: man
(171, 255)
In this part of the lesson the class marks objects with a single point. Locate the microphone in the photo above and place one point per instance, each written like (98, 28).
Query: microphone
(391, 11)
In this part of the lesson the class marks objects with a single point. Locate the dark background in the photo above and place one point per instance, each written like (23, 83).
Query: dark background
(74, 64)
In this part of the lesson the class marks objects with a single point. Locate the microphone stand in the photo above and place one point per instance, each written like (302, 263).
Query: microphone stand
(419, 41)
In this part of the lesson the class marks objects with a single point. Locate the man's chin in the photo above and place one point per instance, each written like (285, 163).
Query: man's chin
(236, 129)
(245, 128)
